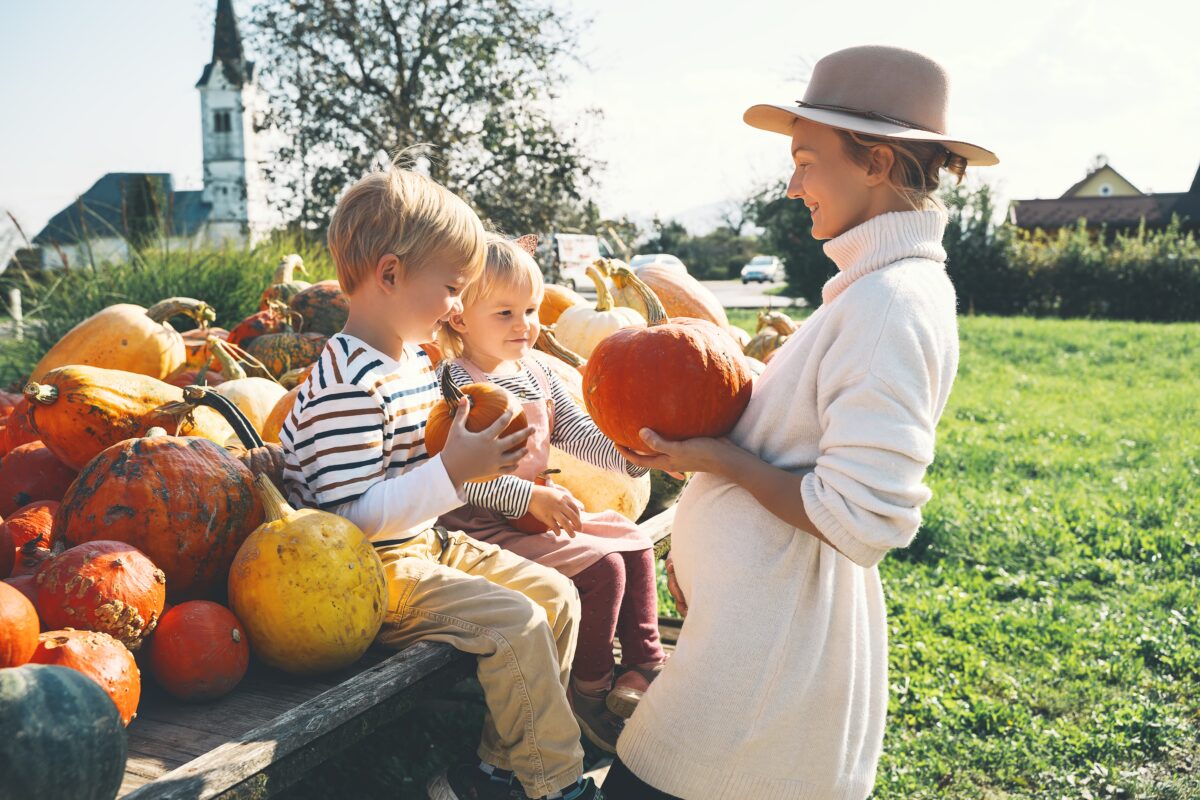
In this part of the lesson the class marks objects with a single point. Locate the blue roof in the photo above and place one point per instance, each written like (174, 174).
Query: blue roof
(101, 210)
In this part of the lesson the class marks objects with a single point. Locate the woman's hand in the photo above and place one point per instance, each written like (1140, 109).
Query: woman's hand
(556, 508)
(689, 455)
(673, 588)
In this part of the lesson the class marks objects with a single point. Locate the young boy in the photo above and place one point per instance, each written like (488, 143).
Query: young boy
(404, 248)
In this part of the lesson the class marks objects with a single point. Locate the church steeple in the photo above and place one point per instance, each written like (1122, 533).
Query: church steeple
(227, 50)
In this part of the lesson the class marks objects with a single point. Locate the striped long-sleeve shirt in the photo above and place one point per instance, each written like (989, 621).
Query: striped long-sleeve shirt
(354, 443)
(574, 432)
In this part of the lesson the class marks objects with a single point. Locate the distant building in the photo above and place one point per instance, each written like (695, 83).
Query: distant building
(1106, 198)
(123, 207)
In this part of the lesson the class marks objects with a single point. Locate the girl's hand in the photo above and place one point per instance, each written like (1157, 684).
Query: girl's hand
(673, 588)
(480, 455)
(555, 507)
(690, 455)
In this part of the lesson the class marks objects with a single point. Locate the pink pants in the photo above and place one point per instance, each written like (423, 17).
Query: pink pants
(619, 599)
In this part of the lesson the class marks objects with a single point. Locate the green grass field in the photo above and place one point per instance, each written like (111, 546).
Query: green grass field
(1045, 638)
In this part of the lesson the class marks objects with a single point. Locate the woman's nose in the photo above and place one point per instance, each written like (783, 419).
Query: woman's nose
(795, 189)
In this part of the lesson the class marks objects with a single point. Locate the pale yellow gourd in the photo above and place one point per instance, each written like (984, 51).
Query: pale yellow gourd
(599, 489)
(581, 328)
(308, 587)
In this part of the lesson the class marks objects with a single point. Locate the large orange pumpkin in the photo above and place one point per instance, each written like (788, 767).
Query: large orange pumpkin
(78, 411)
(488, 403)
(682, 295)
(199, 651)
(183, 501)
(127, 337)
(18, 627)
(30, 473)
(103, 586)
(555, 301)
(682, 378)
(324, 307)
(99, 656)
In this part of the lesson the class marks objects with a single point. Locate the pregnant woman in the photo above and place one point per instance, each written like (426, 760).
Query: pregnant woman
(778, 687)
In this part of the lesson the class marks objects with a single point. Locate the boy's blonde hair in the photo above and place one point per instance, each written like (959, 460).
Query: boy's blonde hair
(916, 171)
(409, 215)
(507, 266)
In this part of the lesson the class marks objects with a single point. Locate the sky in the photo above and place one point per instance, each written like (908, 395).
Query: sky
(88, 88)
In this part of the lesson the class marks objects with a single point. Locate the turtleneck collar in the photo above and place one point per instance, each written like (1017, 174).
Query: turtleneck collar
(881, 241)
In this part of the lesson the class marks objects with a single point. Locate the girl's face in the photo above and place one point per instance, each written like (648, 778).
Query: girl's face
(501, 327)
(839, 193)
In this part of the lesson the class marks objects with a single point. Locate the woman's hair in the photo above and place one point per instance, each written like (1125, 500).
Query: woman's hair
(916, 171)
(506, 266)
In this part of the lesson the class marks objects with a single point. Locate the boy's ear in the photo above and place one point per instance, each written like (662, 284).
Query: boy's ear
(456, 321)
(388, 272)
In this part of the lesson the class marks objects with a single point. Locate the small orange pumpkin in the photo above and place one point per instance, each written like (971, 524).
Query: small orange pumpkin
(99, 656)
(488, 402)
(102, 586)
(199, 651)
(18, 627)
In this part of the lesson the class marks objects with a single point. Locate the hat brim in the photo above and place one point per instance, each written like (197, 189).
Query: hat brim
(780, 119)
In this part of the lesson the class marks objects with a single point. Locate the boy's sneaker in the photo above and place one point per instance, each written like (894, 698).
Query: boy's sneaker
(599, 725)
(586, 790)
(466, 781)
(628, 689)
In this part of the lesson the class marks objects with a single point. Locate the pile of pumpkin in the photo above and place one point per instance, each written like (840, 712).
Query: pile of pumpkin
(144, 530)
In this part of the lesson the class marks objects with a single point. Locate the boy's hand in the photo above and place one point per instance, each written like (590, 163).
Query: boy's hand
(481, 455)
(556, 508)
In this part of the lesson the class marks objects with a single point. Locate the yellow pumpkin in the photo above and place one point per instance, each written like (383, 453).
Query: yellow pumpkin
(127, 337)
(581, 328)
(308, 588)
(599, 489)
(774, 327)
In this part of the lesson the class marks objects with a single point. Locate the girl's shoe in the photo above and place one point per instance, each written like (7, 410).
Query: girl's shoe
(598, 724)
(628, 690)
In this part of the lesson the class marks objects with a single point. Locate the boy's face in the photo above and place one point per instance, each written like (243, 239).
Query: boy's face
(424, 299)
(503, 326)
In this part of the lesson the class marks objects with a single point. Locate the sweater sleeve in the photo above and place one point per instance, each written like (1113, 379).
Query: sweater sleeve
(877, 440)
(507, 494)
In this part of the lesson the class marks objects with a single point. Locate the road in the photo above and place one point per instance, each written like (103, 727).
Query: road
(733, 294)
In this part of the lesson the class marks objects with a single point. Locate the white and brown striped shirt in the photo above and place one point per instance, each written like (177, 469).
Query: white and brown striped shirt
(354, 443)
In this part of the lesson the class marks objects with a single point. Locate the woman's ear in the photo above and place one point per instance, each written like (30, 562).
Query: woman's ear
(882, 159)
(388, 272)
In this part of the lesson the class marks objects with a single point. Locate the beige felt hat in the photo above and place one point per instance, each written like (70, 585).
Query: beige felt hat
(881, 91)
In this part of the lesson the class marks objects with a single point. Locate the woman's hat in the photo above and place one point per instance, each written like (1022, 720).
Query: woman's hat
(881, 91)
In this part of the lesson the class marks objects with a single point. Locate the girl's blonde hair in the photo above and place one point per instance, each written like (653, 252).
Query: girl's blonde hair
(409, 215)
(506, 266)
(916, 170)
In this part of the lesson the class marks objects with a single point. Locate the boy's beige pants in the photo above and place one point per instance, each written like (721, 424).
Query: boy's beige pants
(521, 620)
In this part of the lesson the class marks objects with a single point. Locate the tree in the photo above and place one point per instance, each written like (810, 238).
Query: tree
(350, 84)
(787, 233)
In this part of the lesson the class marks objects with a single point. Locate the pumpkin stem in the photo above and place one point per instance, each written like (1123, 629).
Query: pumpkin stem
(451, 392)
(547, 342)
(604, 301)
(779, 322)
(288, 265)
(197, 310)
(205, 396)
(230, 368)
(155, 432)
(42, 393)
(655, 313)
(274, 504)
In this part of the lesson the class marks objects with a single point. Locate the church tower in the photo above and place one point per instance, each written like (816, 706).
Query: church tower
(233, 185)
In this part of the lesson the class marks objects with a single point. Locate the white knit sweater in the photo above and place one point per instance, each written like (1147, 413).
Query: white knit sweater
(778, 686)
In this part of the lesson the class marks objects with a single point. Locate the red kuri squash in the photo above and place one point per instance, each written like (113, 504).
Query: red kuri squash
(199, 651)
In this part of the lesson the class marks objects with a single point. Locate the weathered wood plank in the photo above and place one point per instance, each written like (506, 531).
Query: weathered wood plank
(658, 528)
(297, 731)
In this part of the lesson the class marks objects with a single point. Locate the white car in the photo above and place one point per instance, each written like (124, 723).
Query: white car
(764, 269)
(666, 259)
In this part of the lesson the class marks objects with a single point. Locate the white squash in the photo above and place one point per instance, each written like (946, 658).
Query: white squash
(581, 328)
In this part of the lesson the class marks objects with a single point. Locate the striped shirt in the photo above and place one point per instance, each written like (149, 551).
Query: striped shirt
(358, 425)
(574, 432)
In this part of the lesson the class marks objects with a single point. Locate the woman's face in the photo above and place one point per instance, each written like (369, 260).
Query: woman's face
(839, 193)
